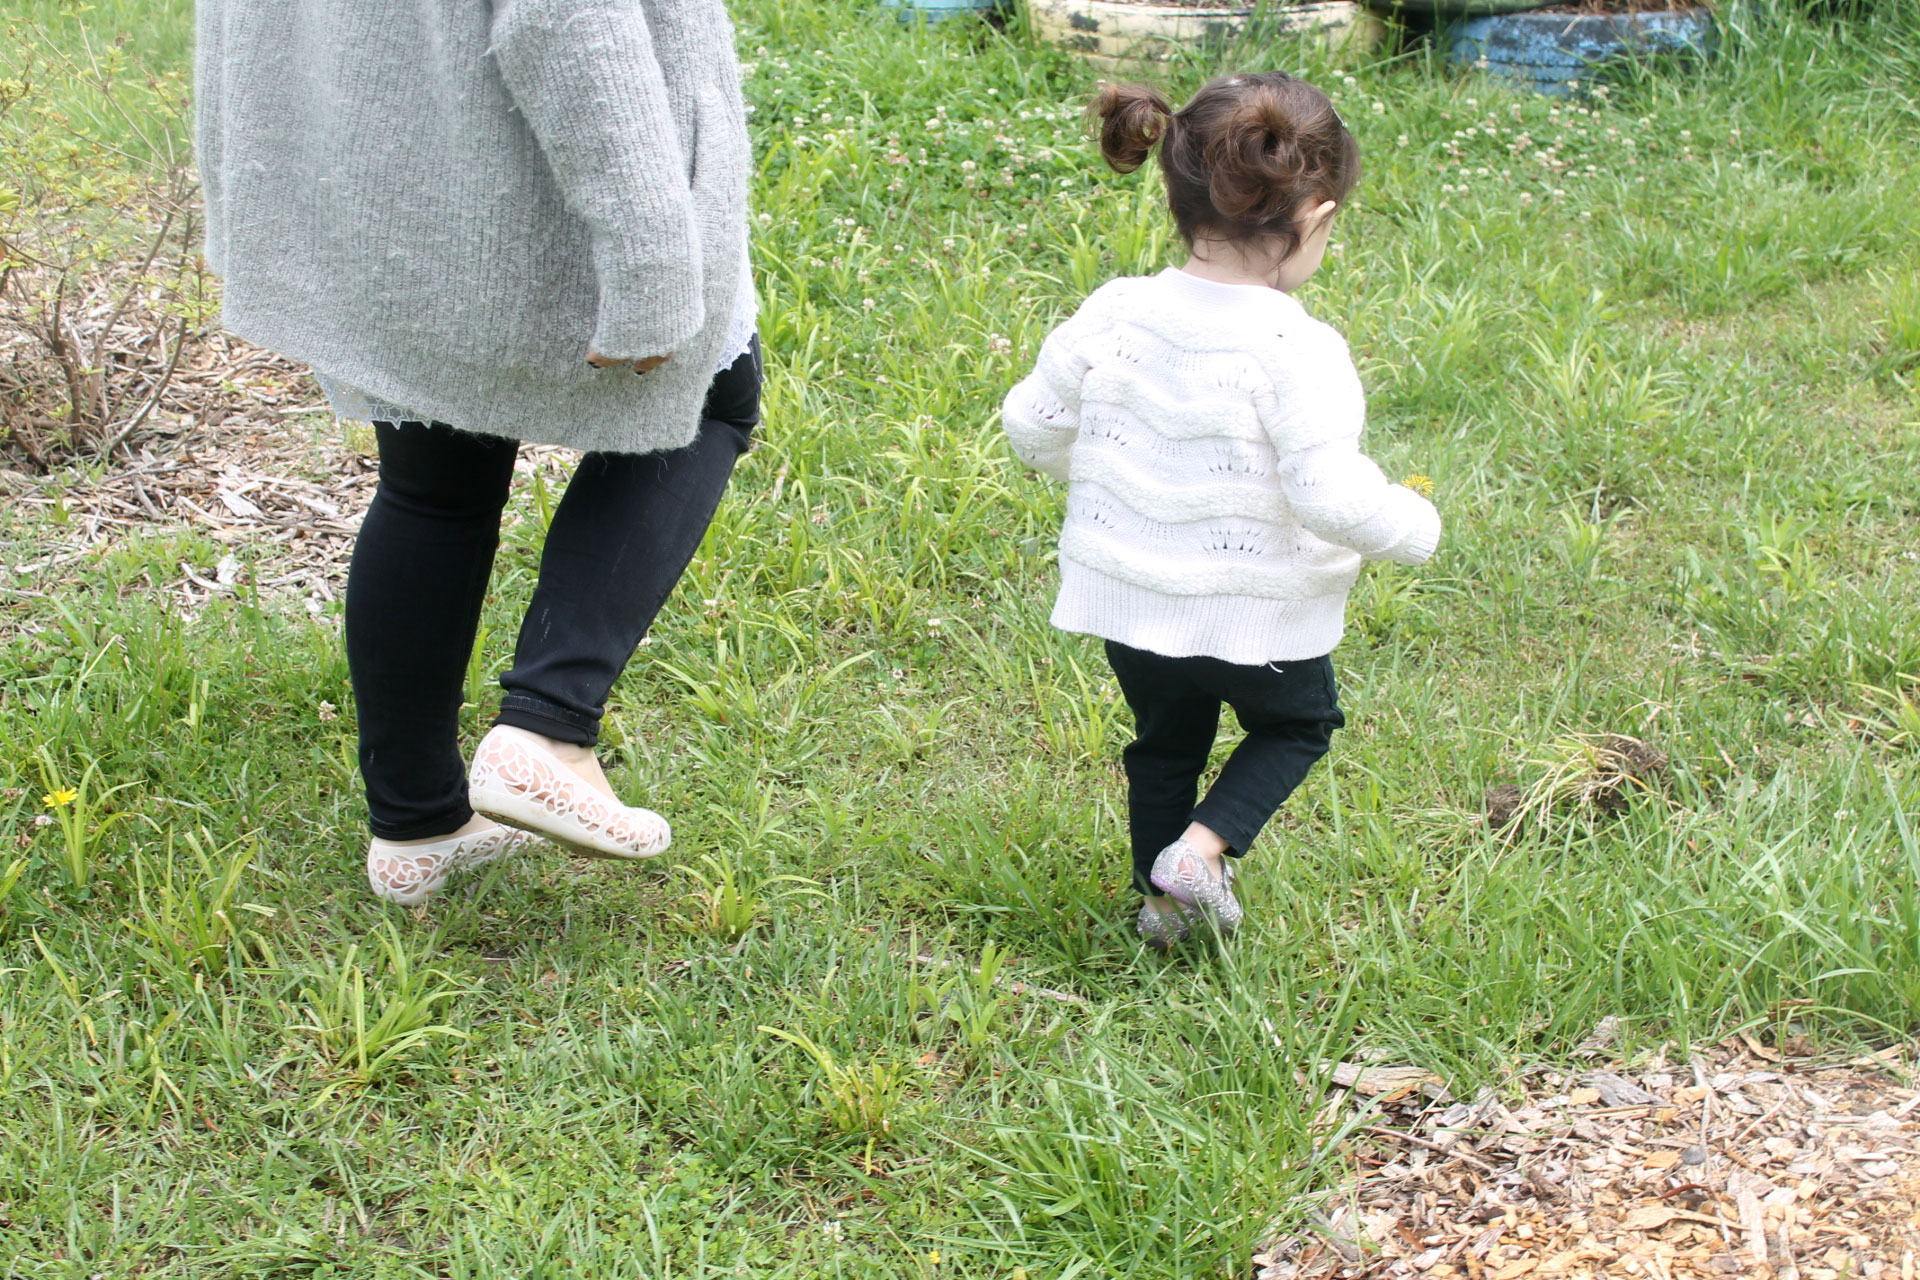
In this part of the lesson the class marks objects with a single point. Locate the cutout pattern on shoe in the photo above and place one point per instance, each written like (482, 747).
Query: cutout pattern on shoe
(1160, 930)
(410, 874)
(1181, 872)
(515, 781)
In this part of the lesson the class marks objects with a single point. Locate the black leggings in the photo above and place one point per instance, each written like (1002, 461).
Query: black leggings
(620, 539)
(1289, 710)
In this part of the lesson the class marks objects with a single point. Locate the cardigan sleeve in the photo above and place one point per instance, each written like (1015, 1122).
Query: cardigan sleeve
(584, 76)
(1313, 417)
(1342, 497)
(1041, 415)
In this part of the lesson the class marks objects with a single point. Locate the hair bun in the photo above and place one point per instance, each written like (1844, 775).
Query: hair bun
(1133, 119)
(1254, 159)
(1241, 158)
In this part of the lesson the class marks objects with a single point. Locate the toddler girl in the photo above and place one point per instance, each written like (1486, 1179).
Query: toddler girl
(1218, 504)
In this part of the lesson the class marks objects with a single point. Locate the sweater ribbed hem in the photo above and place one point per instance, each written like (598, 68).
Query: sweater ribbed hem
(1242, 629)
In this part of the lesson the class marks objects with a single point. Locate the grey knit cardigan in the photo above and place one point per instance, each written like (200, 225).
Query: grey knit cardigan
(444, 204)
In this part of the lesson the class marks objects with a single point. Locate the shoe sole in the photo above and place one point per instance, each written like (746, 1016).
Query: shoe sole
(527, 815)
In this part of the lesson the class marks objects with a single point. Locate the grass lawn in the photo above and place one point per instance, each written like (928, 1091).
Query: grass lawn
(1667, 394)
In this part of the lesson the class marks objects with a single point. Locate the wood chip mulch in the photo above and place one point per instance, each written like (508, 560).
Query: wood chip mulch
(1742, 1161)
(246, 454)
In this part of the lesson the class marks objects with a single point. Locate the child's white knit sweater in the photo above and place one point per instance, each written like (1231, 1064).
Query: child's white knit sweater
(1218, 501)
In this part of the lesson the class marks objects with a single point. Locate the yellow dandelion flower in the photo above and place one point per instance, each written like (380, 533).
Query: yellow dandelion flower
(59, 799)
(1420, 484)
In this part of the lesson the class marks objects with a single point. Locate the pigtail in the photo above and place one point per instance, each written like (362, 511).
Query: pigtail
(1133, 119)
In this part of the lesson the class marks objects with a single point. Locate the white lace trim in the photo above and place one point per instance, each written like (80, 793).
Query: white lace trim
(745, 322)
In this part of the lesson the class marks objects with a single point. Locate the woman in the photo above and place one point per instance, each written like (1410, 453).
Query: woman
(483, 222)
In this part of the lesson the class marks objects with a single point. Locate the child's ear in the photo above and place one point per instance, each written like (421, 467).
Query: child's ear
(1324, 211)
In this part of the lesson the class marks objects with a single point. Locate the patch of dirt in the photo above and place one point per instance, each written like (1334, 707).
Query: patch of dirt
(245, 453)
(1740, 1162)
(1580, 774)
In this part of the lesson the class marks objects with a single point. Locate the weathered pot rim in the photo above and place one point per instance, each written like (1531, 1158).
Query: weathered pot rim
(1238, 11)
(1429, 8)
(1570, 19)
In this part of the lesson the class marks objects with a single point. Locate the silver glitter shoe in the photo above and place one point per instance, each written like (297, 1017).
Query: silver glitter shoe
(1181, 872)
(1161, 931)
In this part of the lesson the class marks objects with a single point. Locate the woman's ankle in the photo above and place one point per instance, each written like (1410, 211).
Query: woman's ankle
(568, 752)
(582, 761)
(472, 826)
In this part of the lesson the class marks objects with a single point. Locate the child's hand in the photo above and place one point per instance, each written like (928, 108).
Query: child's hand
(1422, 485)
(646, 364)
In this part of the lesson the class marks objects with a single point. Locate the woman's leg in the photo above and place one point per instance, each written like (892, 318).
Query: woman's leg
(622, 536)
(1175, 721)
(414, 592)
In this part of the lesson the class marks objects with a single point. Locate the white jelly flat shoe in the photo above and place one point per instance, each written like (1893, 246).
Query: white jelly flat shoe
(516, 780)
(409, 874)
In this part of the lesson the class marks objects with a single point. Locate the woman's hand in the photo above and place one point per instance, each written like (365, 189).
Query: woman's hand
(646, 364)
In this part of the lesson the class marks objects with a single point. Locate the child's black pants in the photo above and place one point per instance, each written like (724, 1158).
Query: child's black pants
(1288, 709)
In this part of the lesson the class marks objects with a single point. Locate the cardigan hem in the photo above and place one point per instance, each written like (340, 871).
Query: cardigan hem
(1248, 630)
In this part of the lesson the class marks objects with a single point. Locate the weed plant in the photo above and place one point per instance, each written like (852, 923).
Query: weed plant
(1656, 351)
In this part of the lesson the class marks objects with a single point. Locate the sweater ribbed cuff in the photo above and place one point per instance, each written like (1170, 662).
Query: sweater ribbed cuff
(649, 317)
(1419, 545)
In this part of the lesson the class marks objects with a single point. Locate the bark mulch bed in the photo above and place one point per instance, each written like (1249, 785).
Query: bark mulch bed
(244, 453)
(1742, 1161)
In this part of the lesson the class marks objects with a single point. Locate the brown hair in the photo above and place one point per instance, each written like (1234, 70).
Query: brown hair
(1239, 158)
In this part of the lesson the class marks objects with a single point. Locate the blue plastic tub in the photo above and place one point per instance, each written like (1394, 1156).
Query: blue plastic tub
(941, 10)
(1556, 53)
